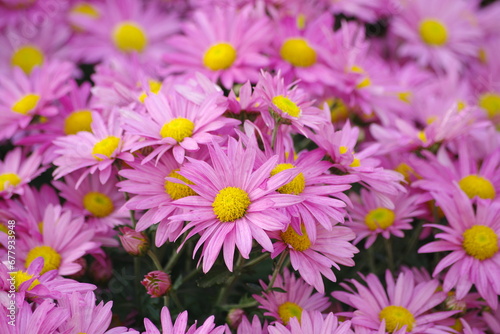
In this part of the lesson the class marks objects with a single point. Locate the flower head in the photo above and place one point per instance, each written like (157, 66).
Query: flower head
(157, 283)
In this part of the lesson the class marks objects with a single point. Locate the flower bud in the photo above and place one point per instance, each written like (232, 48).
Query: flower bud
(234, 317)
(135, 243)
(101, 269)
(157, 283)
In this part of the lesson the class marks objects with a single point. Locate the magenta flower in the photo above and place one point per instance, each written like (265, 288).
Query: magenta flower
(405, 306)
(473, 239)
(17, 170)
(235, 203)
(134, 243)
(313, 322)
(157, 283)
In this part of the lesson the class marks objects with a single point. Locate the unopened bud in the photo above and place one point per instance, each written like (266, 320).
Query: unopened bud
(234, 317)
(101, 269)
(135, 243)
(157, 283)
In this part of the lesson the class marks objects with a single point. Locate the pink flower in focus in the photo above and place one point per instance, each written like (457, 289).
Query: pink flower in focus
(17, 170)
(134, 243)
(313, 322)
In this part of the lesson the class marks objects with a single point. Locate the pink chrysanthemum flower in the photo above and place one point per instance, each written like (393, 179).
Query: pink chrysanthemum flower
(155, 194)
(235, 203)
(313, 322)
(94, 151)
(403, 307)
(17, 170)
(177, 124)
(478, 180)
(31, 14)
(441, 34)
(62, 240)
(223, 43)
(371, 217)
(473, 239)
(315, 258)
(87, 317)
(180, 325)
(366, 10)
(25, 96)
(123, 28)
(255, 327)
(287, 104)
(298, 297)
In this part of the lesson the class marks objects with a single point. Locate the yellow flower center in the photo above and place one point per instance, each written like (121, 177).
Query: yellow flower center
(27, 57)
(298, 52)
(98, 204)
(20, 277)
(366, 80)
(288, 310)
(52, 259)
(286, 105)
(294, 187)
(106, 147)
(355, 163)
(298, 242)
(3, 229)
(396, 317)
(422, 136)
(9, 179)
(338, 110)
(407, 171)
(77, 121)
(458, 326)
(301, 21)
(379, 218)
(220, 56)
(177, 190)
(178, 128)
(475, 185)
(26, 104)
(433, 32)
(154, 87)
(231, 203)
(87, 9)
(405, 96)
(480, 242)
(491, 103)
(129, 37)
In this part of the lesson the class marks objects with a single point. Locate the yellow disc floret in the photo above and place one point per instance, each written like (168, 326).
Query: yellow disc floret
(491, 103)
(77, 121)
(365, 82)
(98, 204)
(480, 242)
(294, 187)
(298, 52)
(220, 56)
(286, 105)
(27, 57)
(289, 310)
(87, 9)
(9, 179)
(396, 317)
(129, 37)
(177, 190)
(379, 218)
(475, 185)
(298, 242)
(20, 277)
(178, 129)
(230, 204)
(433, 32)
(52, 259)
(26, 104)
(106, 147)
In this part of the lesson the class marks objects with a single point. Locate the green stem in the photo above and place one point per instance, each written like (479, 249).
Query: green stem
(256, 260)
(156, 262)
(224, 291)
(277, 269)
(274, 134)
(176, 254)
(390, 256)
(371, 260)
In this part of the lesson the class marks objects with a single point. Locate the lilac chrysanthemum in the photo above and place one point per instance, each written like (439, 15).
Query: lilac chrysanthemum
(180, 325)
(313, 322)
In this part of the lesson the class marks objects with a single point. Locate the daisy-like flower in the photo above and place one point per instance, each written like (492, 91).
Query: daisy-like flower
(441, 34)
(25, 96)
(255, 327)
(473, 239)
(371, 217)
(124, 28)
(17, 170)
(223, 43)
(100, 204)
(404, 307)
(287, 104)
(315, 258)
(235, 202)
(177, 124)
(313, 322)
(155, 194)
(180, 325)
(32, 14)
(87, 317)
(298, 297)
(94, 151)
(440, 172)
(63, 240)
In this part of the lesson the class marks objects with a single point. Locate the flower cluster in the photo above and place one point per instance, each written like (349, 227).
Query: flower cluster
(286, 146)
